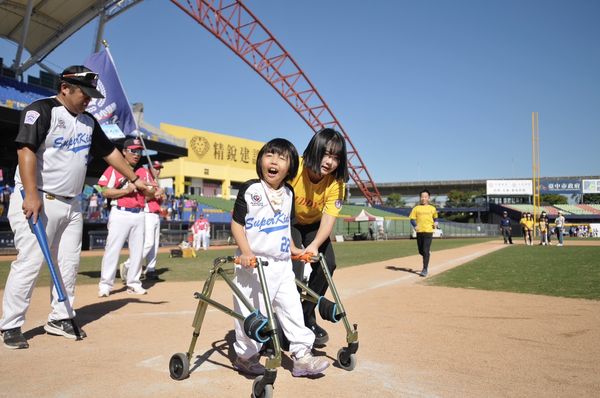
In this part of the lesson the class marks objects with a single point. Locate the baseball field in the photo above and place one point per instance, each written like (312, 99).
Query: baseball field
(492, 320)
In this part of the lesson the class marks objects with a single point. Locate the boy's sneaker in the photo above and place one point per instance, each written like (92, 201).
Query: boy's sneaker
(136, 290)
(249, 366)
(65, 327)
(14, 339)
(309, 365)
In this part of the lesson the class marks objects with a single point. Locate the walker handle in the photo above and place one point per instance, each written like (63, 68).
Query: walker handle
(253, 262)
(306, 257)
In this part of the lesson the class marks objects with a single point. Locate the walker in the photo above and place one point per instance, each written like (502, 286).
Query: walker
(331, 311)
(257, 326)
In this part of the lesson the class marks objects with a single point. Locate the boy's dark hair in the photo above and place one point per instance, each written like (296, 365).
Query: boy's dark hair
(315, 150)
(425, 191)
(279, 146)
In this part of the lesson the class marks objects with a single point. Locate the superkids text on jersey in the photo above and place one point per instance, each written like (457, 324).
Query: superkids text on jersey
(267, 230)
(62, 142)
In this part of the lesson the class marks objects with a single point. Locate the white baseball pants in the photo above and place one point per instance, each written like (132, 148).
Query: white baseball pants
(123, 226)
(285, 300)
(64, 227)
(201, 240)
(151, 241)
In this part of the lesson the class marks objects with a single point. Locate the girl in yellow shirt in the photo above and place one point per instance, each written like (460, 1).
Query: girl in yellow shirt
(319, 190)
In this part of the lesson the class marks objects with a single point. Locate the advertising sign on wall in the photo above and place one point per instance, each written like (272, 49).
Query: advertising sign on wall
(591, 186)
(509, 187)
(563, 186)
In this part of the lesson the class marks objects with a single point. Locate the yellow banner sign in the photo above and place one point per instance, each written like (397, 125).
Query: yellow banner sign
(219, 149)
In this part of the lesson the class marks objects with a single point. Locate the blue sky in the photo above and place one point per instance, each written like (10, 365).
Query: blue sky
(426, 90)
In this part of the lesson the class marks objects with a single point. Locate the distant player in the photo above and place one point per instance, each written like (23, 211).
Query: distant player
(201, 232)
(424, 219)
(506, 228)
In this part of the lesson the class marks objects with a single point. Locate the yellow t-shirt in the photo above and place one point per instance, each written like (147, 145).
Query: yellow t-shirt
(542, 225)
(312, 200)
(523, 222)
(529, 224)
(425, 216)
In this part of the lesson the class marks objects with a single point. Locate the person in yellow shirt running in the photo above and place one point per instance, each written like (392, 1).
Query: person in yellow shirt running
(423, 218)
(319, 190)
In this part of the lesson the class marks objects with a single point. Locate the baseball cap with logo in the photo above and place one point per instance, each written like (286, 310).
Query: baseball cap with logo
(84, 78)
(157, 165)
(133, 143)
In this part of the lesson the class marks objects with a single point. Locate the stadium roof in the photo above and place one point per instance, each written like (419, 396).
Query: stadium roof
(50, 22)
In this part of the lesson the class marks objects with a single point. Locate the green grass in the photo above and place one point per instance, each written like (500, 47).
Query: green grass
(553, 271)
(196, 269)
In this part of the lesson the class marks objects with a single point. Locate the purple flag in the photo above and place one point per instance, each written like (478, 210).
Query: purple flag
(113, 110)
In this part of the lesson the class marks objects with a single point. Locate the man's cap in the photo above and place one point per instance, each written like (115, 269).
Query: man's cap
(157, 165)
(133, 143)
(84, 78)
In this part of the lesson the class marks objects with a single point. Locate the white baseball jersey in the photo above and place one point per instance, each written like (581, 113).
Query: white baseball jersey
(62, 142)
(268, 232)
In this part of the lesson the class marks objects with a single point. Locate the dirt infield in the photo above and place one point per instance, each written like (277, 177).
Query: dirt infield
(415, 341)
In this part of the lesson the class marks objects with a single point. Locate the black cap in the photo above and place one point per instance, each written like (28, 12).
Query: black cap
(84, 78)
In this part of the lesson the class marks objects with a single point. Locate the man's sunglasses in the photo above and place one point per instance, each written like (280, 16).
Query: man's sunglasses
(134, 151)
(85, 75)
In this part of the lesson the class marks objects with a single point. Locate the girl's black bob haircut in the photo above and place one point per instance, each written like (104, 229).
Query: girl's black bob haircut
(279, 146)
(322, 141)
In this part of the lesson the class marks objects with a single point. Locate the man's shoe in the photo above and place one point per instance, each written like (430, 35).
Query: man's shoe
(123, 272)
(151, 275)
(65, 327)
(250, 366)
(423, 273)
(103, 293)
(321, 336)
(309, 365)
(14, 339)
(136, 290)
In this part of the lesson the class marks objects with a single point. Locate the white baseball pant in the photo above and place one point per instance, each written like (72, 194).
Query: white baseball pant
(123, 226)
(285, 300)
(201, 240)
(151, 241)
(64, 227)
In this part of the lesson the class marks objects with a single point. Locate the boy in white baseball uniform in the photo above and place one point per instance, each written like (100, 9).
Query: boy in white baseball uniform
(126, 222)
(56, 137)
(261, 227)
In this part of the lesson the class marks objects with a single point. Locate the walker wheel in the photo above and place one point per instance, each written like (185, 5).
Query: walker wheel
(179, 366)
(267, 391)
(346, 361)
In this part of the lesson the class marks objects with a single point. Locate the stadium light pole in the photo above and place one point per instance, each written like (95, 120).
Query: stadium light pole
(535, 155)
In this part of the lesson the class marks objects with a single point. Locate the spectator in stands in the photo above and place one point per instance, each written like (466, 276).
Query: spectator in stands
(93, 207)
(5, 200)
(559, 225)
(506, 228)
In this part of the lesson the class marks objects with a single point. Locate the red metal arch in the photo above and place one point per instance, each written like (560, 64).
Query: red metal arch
(239, 29)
